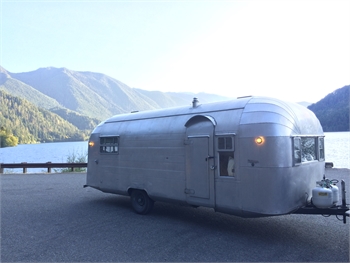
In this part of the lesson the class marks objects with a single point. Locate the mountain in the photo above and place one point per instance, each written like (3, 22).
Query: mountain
(333, 110)
(73, 102)
(92, 94)
(20, 89)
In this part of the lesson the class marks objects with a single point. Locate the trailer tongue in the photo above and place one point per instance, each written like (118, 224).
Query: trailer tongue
(324, 200)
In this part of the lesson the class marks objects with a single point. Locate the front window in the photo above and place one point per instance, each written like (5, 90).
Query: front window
(308, 149)
(305, 149)
(109, 144)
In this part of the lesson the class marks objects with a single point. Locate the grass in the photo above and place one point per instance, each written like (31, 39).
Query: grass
(74, 157)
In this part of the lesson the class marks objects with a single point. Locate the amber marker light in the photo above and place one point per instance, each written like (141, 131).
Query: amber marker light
(259, 140)
(91, 143)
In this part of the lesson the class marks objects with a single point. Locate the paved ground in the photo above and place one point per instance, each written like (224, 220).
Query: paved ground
(52, 218)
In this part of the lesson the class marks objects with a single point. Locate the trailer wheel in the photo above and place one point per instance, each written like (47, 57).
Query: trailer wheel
(141, 202)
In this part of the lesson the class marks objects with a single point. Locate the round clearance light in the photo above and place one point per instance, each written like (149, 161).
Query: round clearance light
(91, 143)
(259, 140)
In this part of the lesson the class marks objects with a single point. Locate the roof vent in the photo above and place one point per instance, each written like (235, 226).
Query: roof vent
(195, 103)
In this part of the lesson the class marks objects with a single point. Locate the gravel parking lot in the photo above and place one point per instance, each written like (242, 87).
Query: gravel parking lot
(52, 218)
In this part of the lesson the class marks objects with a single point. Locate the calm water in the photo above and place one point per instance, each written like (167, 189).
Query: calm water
(337, 147)
(57, 152)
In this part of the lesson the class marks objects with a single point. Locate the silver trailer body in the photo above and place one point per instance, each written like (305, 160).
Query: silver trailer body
(252, 156)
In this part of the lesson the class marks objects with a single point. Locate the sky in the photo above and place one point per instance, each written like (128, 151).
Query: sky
(294, 50)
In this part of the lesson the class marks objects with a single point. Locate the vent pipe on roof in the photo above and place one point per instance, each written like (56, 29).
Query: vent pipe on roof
(195, 103)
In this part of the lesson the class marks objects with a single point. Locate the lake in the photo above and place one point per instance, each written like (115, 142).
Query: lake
(337, 150)
(56, 152)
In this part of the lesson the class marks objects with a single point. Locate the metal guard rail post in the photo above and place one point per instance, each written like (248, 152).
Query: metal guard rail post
(48, 165)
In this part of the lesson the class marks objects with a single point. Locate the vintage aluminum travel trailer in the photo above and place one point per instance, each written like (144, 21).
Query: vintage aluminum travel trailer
(250, 157)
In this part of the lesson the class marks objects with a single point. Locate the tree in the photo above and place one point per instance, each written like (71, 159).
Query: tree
(7, 139)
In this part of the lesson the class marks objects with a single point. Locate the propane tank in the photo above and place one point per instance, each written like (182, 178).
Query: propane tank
(335, 192)
(322, 197)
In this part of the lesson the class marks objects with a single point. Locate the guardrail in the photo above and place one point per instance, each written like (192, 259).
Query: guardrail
(329, 165)
(48, 165)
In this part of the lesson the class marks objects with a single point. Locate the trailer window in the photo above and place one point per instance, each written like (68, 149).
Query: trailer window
(321, 148)
(308, 149)
(225, 143)
(297, 150)
(226, 155)
(226, 163)
(305, 149)
(109, 144)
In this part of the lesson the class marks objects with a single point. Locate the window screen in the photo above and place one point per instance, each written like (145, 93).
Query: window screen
(225, 143)
(109, 144)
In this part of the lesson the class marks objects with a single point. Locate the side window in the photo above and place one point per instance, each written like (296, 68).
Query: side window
(226, 155)
(321, 148)
(109, 144)
(297, 150)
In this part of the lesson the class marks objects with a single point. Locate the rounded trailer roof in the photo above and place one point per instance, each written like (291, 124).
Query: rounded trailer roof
(289, 118)
(238, 103)
(293, 118)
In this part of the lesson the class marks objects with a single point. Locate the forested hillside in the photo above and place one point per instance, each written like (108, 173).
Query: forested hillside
(333, 110)
(80, 121)
(31, 124)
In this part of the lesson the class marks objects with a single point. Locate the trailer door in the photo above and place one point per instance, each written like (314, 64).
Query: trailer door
(200, 162)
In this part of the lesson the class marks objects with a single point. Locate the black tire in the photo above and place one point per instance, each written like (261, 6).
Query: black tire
(141, 202)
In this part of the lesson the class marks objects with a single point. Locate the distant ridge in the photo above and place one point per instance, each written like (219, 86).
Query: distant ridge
(20, 89)
(333, 110)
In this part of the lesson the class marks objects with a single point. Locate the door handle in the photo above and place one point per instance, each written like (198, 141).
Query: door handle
(209, 157)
